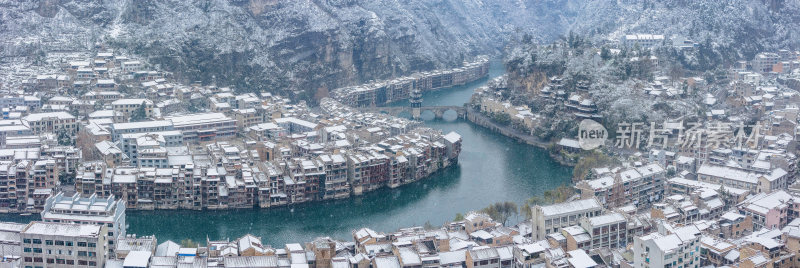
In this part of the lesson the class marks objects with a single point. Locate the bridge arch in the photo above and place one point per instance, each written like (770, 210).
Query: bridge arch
(450, 115)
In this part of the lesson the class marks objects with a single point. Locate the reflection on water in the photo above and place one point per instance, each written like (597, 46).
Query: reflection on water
(491, 168)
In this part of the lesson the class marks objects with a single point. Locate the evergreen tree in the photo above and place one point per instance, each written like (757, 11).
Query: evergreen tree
(605, 53)
(140, 114)
(64, 138)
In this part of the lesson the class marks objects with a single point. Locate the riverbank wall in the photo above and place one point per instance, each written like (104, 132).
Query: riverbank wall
(398, 89)
(476, 117)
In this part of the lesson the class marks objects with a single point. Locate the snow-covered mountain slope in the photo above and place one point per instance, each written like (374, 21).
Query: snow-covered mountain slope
(305, 45)
(268, 44)
(748, 26)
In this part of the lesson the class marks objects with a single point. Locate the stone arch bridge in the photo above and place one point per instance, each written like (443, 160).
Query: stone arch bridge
(438, 111)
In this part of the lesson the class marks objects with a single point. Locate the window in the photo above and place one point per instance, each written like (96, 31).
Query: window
(81, 253)
(37, 241)
(70, 262)
(59, 243)
(27, 250)
(37, 250)
(82, 244)
(92, 245)
(69, 243)
(48, 242)
(26, 240)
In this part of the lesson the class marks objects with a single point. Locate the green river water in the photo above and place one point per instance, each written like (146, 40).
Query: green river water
(491, 168)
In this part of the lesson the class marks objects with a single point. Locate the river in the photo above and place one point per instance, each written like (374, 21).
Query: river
(491, 168)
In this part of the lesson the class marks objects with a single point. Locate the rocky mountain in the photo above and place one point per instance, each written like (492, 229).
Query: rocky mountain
(310, 45)
(746, 26)
(268, 44)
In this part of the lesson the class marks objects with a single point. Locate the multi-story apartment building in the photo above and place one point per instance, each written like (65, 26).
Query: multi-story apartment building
(102, 95)
(204, 126)
(550, 219)
(484, 257)
(149, 149)
(139, 127)
(67, 157)
(246, 118)
(52, 122)
(400, 171)
(266, 131)
(576, 238)
(11, 199)
(643, 40)
(756, 182)
(276, 191)
(43, 176)
(24, 184)
(336, 185)
(376, 173)
(92, 210)
(10, 244)
(639, 186)
(306, 179)
(51, 244)
(123, 185)
(528, 255)
(94, 178)
(400, 88)
(763, 62)
(606, 231)
(356, 171)
(686, 187)
(773, 210)
(112, 115)
(127, 107)
(131, 66)
(210, 187)
(680, 248)
(716, 251)
(12, 128)
(295, 125)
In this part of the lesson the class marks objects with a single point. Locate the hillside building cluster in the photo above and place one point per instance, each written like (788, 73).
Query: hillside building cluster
(384, 92)
(113, 128)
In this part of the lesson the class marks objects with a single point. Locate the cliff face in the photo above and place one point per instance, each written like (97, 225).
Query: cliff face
(300, 45)
(303, 46)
